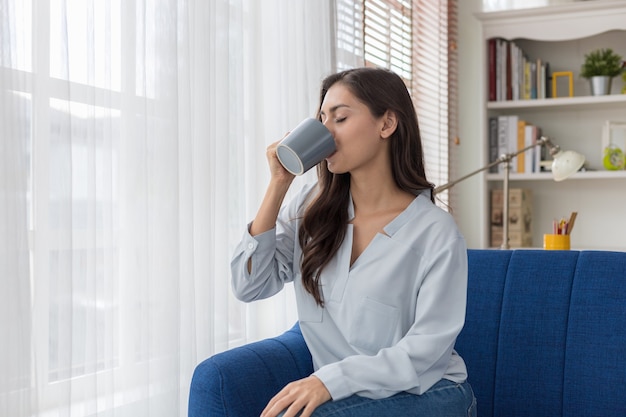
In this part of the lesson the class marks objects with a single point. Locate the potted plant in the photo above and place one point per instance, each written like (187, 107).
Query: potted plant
(600, 66)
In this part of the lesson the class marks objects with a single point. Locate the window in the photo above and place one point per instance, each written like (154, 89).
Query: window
(70, 101)
(387, 34)
(417, 40)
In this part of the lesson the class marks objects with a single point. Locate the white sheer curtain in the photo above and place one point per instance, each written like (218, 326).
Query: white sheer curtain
(132, 142)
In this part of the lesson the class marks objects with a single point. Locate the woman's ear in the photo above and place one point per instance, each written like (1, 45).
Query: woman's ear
(390, 124)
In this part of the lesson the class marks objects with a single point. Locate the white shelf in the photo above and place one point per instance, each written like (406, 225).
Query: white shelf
(547, 176)
(562, 35)
(561, 103)
(555, 23)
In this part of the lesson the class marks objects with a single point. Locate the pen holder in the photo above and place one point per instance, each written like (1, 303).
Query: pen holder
(556, 242)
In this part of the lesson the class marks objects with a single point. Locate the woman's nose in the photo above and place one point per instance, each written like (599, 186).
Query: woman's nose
(328, 125)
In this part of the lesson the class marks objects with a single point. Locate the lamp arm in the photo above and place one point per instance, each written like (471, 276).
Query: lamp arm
(471, 174)
(501, 159)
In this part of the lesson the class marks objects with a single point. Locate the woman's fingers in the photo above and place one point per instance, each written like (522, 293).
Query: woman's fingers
(304, 395)
(276, 168)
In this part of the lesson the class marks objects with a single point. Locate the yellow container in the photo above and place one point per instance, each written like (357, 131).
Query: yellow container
(556, 242)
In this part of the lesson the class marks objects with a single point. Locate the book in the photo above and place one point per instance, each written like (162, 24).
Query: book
(512, 138)
(526, 80)
(520, 74)
(503, 141)
(539, 150)
(521, 144)
(500, 68)
(508, 77)
(491, 67)
(533, 80)
(493, 143)
(548, 83)
(529, 165)
(515, 53)
(539, 82)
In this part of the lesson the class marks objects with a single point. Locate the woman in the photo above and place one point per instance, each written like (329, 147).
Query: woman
(380, 272)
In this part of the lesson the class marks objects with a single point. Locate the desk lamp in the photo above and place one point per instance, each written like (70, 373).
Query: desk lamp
(564, 164)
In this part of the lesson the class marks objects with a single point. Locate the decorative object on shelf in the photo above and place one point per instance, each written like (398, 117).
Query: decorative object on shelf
(520, 217)
(613, 159)
(559, 239)
(556, 242)
(614, 145)
(569, 75)
(564, 164)
(600, 85)
(600, 66)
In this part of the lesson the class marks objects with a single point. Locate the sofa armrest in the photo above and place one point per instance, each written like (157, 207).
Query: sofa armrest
(241, 381)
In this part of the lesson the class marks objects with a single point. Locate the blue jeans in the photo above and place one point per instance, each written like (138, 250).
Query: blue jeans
(444, 399)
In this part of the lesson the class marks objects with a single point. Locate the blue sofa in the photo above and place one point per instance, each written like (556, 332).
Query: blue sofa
(545, 336)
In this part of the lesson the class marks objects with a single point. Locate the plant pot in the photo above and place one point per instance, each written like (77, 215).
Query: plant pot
(600, 85)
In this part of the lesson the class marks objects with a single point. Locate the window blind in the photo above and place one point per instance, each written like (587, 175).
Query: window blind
(417, 40)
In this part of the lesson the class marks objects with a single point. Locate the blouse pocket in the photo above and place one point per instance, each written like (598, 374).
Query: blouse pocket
(374, 326)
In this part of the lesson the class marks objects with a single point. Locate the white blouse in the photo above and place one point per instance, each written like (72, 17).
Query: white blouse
(390, 320)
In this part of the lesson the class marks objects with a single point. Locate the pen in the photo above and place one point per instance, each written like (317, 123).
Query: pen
(572, 219)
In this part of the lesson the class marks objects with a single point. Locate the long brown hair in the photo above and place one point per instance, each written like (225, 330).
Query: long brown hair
(324, 224)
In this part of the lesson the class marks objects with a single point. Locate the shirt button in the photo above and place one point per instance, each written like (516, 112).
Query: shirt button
(250, 245)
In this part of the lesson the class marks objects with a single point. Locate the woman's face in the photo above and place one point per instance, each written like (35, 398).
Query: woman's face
(356, 131)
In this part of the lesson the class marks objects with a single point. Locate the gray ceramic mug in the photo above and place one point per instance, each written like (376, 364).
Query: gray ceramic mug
(305, 146)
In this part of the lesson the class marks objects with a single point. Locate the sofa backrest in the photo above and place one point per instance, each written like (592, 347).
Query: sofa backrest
(545, 333)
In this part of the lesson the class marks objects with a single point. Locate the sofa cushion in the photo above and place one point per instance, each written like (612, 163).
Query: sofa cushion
(595, 362)
(240, 381)
(533, 330)
(478, 342)
(545, 332)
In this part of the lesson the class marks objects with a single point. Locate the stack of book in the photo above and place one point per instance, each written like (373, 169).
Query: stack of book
(509, 134)
(520, 217)
(513, 75)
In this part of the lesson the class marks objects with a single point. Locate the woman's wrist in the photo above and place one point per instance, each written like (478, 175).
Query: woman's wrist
(280, 186)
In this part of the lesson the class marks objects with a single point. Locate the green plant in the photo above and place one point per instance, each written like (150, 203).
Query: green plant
(601, 62)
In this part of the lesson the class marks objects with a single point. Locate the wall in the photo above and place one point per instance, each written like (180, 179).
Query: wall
(469, 209)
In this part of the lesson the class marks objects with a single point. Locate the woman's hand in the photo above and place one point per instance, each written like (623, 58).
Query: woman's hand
(303, 395)
(277, 171)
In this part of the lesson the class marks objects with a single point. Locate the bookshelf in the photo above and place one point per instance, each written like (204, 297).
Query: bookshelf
(561, 35)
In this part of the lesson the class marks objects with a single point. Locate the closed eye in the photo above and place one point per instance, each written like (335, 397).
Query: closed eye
(340, 119)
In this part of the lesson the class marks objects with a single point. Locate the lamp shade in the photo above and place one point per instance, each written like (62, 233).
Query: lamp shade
(566, 163)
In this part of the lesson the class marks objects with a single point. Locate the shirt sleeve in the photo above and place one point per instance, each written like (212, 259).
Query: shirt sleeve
(271, 255)
(423, 355)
